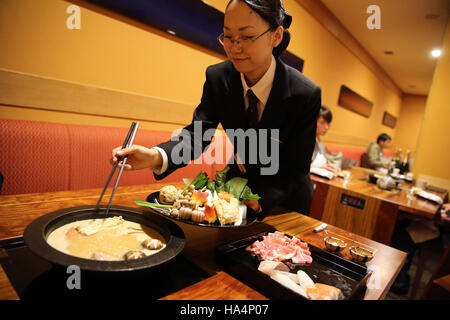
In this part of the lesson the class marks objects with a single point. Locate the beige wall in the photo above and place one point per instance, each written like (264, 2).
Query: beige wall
(409, 122)
(116, 53)
(433, 149)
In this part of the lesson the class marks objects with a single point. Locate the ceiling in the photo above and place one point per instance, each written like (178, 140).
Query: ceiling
(409, 28)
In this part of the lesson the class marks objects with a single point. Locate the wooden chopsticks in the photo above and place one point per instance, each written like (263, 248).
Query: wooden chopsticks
(127, 143)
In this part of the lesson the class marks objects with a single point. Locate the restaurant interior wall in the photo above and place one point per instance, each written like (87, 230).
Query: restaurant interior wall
(433, 148)
(409, 122)
(116, 53)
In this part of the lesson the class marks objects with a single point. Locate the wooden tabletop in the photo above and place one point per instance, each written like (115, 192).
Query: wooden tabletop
(17, 211)
(359, 184)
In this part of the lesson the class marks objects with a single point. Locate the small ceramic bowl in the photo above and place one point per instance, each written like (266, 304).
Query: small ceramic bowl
(361, 254)
(334, 244)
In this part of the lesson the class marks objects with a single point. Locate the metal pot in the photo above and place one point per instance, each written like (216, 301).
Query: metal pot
(386, 183)
(37, 232)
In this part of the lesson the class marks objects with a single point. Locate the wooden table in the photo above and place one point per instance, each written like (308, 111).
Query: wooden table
(376, 217)
(17, 211)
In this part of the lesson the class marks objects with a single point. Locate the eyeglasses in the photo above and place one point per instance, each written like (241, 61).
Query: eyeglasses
(241, 42)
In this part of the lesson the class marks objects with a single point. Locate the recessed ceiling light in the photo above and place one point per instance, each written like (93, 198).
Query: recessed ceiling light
(436, 53)
(389, 52)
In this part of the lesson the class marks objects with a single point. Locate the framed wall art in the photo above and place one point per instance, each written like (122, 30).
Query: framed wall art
(354, 102)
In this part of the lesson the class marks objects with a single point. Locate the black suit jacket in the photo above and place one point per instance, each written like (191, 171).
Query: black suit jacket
(292, 108)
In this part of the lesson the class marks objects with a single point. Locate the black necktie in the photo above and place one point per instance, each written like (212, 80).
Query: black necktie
(252, 110)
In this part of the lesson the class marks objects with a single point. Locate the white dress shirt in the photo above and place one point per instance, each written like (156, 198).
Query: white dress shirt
(261, 89)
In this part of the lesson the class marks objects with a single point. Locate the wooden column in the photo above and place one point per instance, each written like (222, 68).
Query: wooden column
(318, 201)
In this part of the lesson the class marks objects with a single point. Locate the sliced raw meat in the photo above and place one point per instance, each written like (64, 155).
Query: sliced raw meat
(277, 246)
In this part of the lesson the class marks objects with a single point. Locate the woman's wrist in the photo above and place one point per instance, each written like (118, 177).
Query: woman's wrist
(156, 160)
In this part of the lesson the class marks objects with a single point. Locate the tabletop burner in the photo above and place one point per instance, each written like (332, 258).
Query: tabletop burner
(34, 278)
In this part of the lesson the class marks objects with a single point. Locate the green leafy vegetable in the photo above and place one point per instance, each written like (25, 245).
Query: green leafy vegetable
(211, 185)
(221, 178)
(149, 204)
(235, 186)
(199, 181)
(248, 195)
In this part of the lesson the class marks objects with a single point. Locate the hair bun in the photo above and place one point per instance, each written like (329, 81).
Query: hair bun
(287, 20)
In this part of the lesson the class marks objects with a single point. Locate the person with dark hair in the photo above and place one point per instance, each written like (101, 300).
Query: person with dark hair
(374, 156)
(252, 91)
(319, 158)
(384, 138)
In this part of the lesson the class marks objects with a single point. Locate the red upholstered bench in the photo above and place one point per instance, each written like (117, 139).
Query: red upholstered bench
(39, 156)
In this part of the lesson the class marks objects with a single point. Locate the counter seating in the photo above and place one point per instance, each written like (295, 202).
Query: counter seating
(39, 156)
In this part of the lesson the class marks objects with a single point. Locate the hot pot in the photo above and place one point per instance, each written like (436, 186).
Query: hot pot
(36, 233)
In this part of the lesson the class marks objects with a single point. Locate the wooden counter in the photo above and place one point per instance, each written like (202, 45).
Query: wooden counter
(376, 217)
(17, 211)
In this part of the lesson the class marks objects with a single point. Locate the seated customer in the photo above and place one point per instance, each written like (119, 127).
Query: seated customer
(374, 158)
(319, 158)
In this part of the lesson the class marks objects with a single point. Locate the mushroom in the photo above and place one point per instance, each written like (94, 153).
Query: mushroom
(175, 213)
(134, 254)
(152, 244)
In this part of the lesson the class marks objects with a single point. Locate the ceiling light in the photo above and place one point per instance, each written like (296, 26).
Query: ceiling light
(172, 32)
(436, 53)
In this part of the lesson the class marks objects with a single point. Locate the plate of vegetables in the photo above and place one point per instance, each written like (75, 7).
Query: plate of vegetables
(206, 202)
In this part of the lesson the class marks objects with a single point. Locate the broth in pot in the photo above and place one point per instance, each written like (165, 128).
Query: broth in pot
(109, 239)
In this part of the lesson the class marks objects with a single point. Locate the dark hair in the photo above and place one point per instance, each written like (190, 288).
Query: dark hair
(325, 113)
(384, 137)
(272, 11)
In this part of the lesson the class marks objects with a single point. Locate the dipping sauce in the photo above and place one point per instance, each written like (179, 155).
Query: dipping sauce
(106, 239)
(362, 251)
(336, 242)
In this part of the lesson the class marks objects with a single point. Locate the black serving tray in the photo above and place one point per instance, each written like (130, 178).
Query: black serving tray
(251, 215)
(326, 268)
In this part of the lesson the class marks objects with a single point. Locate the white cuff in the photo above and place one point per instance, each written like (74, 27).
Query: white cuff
(165, 163)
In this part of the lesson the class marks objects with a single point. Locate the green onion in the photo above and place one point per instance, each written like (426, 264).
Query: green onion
(148, 204)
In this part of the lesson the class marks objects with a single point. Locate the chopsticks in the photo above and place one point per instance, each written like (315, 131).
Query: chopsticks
(127, 143)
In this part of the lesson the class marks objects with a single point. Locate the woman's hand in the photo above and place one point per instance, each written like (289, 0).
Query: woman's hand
(328, 167)
(139, 157)
(331, 168)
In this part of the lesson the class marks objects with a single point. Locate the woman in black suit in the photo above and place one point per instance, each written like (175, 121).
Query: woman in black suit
(253, 92)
